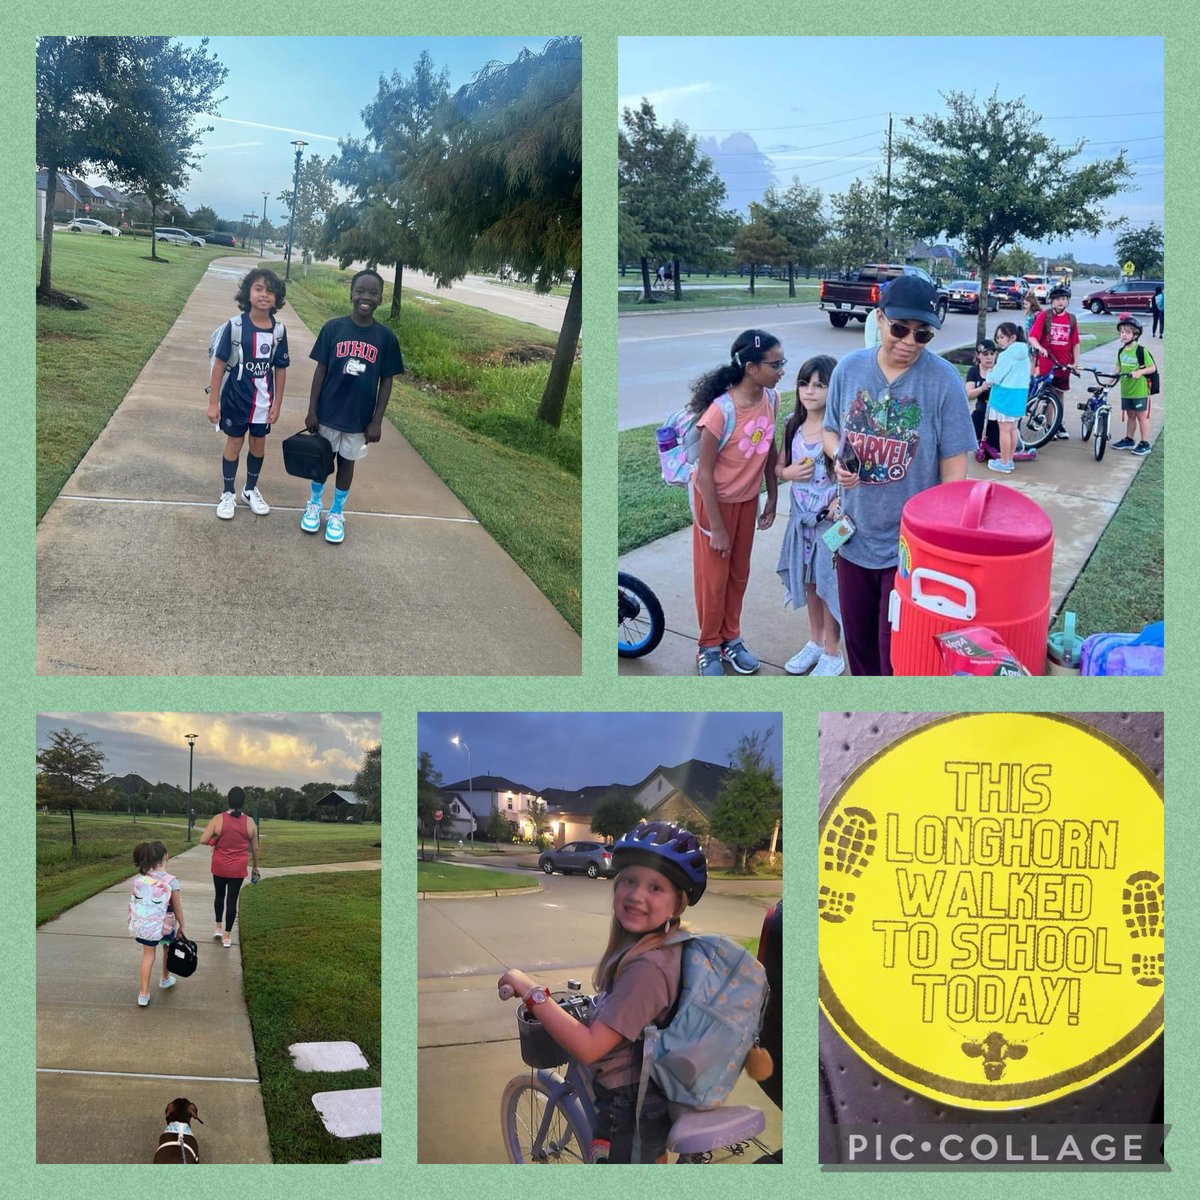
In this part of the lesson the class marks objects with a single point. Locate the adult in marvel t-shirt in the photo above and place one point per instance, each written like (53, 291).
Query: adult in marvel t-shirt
(355, 358)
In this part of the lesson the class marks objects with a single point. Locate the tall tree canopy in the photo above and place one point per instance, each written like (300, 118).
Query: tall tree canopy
(70, 771)
(1142, 247)
(858, 229)
(505, 190)
(985, 174)
(616, 813)
(751, 800)
(314, 199)
(368, 785)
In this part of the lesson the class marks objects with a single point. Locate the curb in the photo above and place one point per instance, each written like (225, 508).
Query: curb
(500, 892)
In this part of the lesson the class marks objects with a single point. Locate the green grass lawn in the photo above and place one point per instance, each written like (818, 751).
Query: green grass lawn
(299, 843)
(765, 292)
(311, 965)
(441, 877)
(467, 404)
(87, 360)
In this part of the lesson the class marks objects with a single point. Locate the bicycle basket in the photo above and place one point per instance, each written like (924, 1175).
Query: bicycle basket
(538, 1049)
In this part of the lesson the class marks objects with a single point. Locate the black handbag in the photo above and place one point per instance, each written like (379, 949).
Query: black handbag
(182, 957)
(308, 455)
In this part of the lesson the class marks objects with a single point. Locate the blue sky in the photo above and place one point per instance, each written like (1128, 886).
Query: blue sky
(818, 107)
(574, 750)
(260, 749)
(280, 89)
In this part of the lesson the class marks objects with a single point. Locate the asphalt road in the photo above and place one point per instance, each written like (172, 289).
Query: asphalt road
(660, 353)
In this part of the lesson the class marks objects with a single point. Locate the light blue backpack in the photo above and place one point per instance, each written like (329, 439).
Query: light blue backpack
(697, 1058)
(679, 441)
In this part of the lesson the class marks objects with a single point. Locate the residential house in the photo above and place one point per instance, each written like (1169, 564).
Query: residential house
(571, 812)
(487, 794)
(687, 794)
(458, 821)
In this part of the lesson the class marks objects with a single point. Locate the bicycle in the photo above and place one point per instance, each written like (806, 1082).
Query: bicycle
(548, 1117)
(1043, 412)
(1096, 412)
(640, 620)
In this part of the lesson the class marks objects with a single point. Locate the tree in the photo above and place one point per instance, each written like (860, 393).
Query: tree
(506, 189)
(314, 198)
(669, 194)
(986, 175)
(751, 800)
(203, 219)
(70, 770)
(499, 827)
(858, 227)
(1142, 247)
(367, 784)
(755, 242)
(384, 220)
(429, 793)
(616, 813)
(154, 135)
(794, 218)
(207, 799)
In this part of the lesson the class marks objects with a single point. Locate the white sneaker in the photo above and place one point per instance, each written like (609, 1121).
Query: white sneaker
(803, 660)
(253, 497)
(169, 982)
(829, 664)
(226, 506)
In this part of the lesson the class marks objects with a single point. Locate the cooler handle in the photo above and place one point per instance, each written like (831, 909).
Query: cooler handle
(894, 611)
(943, 605)
(980, 494)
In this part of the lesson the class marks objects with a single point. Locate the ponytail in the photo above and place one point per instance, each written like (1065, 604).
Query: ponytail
(749, 347)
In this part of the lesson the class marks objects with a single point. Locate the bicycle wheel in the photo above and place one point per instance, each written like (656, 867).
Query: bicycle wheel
(1087, 422)
(640, 620)
(525, 1108)
(1043, 415)
(1101, 438)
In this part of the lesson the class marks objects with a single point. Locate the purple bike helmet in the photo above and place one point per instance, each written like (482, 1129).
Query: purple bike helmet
(1130, 320)
(668, 848)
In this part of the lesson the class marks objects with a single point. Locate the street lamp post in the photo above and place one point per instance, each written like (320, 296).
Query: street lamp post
(457, 741)
(299, 144)
(262, 230)
(191, 741)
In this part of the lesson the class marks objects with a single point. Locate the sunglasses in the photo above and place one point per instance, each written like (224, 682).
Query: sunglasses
(920, 336)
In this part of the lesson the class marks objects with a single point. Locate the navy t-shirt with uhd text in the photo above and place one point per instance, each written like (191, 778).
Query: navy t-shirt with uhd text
(356, 358)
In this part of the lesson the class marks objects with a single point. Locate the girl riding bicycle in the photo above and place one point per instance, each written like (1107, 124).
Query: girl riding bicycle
(661, 869)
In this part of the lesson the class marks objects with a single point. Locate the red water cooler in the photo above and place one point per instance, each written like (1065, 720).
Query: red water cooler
(971, 553)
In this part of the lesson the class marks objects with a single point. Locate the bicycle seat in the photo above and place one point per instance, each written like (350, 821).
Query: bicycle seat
(697, 1132)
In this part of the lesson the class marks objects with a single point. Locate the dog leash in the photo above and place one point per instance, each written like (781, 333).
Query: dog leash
(180, 1129)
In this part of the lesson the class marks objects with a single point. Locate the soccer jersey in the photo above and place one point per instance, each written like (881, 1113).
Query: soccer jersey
(1127, 361)
(249, 389)
(356, 358)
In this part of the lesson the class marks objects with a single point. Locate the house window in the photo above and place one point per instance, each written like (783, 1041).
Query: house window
(510, 804)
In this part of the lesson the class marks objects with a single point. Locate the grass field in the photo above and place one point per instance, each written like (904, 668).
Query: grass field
(311, 963)
(467, 404)
(734, 293)
(442, 877)
(106, 842)
(86, 361)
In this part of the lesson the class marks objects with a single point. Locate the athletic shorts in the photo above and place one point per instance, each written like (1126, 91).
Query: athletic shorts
(350, 446)
(1137, 404)
(236, 427)
(163, 941)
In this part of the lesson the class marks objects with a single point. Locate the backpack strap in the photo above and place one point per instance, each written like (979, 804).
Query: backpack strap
(235, 346)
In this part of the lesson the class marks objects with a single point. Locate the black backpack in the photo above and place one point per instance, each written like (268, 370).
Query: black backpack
(1152, 378)
(308, 455)
(182, 957)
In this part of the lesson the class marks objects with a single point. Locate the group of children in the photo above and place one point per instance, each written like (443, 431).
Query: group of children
(356, 358)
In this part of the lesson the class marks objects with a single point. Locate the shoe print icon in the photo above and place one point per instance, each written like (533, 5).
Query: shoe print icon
(1142, 908)
(848, 844)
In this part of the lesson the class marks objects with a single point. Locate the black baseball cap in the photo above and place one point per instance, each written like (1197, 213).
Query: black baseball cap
(910, 298)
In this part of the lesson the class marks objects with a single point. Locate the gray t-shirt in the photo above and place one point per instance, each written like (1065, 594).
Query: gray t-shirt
(900, 431)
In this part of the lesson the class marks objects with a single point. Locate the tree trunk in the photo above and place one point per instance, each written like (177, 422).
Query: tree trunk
(678, 280)
(74, 842)
(752, 279)
(153, 239)
(792, 280)
(981, 316)
(396, 290)
(48, 228)
(646, 279)
(551, 406)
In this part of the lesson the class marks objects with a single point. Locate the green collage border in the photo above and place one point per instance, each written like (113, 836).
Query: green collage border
(22, 694)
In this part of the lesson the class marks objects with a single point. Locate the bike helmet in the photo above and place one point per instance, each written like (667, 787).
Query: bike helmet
(1130, 320)
(668, 848)
(1059, 290)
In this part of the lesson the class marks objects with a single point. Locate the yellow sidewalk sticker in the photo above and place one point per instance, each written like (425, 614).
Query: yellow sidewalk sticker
(991, 909)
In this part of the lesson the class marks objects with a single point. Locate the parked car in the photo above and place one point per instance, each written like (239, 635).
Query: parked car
(220, 239)
(1095, 279)
(177, 236)
(91, 225)
(1008, 291)
(588, 858)
(964, 294)
(1126, 295)
(1039, 285)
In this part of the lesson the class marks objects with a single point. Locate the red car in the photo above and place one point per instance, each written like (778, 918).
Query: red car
(1127, 295)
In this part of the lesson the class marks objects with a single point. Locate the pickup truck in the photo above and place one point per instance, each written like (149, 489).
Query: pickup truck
(856, 296)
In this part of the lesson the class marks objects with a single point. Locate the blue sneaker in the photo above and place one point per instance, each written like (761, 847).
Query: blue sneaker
(1141, 449)
(335, 528)
(1125, 443)
(738, 657)
(708, 661)
(311, 521)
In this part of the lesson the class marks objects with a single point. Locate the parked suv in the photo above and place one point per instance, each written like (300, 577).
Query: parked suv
(220, 239)
(1008, 291)
(1127, 295)
(91, 225)
(590, 858)
(177, 236)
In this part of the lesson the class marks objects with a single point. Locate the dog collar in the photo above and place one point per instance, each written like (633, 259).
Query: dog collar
(178, 1127)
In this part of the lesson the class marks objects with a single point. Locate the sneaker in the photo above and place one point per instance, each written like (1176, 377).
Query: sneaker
(253, 497)
(170, 981)
(335, 528)
(994, 464)
(708, 661)
(226, 506)
(226, 940)
(738, 657)
(804, 659)
(144, 1000)
(1125, 443)
(218, 933)
(1142, 449)
(829, 664)
(1062, 436)
(311, 521)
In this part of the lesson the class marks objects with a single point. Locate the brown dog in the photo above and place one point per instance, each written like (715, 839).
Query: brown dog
(177, 1143)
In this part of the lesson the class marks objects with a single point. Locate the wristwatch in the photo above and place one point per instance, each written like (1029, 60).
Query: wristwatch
(536, 995)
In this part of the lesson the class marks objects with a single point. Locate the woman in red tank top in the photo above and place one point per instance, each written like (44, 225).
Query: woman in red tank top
(234, 837)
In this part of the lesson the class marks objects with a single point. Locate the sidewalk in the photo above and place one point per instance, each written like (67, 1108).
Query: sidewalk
(137, 576)
(107, 1069)
(1079, 494)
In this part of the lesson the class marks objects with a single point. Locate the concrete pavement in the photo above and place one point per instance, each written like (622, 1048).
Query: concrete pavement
(1079, 494)
(137, 576)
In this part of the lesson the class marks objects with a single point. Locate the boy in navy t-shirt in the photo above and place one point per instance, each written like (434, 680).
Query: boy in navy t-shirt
(356, 359)
(248, 398)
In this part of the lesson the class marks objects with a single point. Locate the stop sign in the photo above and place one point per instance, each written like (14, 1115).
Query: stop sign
(437, 816)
